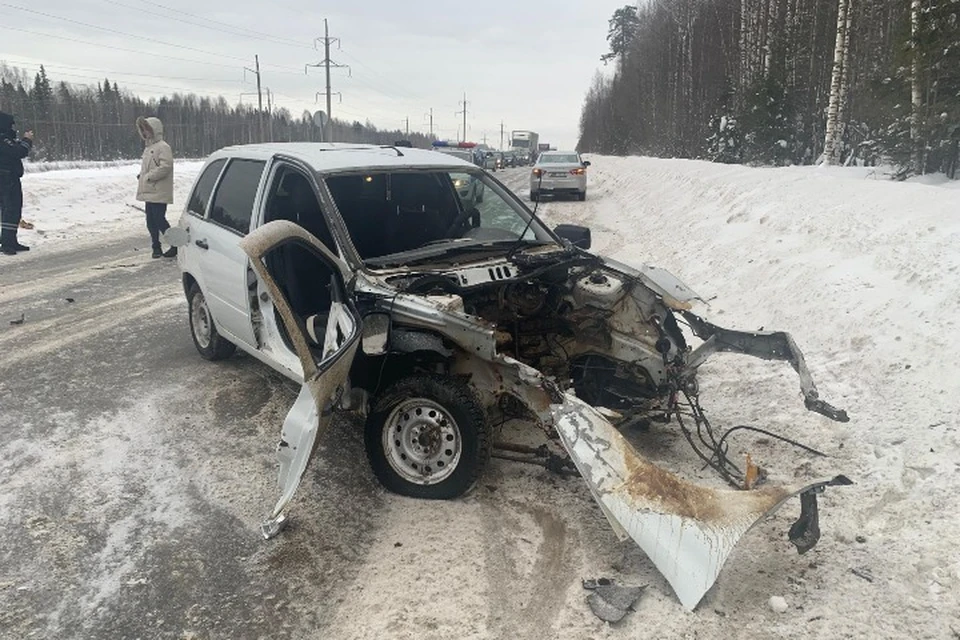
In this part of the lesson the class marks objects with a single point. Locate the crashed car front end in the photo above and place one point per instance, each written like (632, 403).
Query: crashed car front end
(580, 341)
(483, 313)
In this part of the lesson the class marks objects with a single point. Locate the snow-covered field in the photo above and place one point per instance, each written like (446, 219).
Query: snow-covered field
(865, 273)
(77, 205)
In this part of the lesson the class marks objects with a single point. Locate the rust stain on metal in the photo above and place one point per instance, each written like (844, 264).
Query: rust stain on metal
(647, 482)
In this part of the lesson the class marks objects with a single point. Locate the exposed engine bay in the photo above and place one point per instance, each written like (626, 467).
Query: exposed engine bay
(607, 334)
(458, 333)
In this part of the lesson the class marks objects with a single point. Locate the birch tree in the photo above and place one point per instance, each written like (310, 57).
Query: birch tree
(831, 148)
(916, 92)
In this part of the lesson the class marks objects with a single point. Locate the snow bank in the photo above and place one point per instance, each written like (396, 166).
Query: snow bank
(79, 204)
(866, 274)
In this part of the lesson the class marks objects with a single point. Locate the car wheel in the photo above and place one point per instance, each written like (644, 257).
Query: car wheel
(534, 196)
(582, 196)
(427, 437)
(206, 338)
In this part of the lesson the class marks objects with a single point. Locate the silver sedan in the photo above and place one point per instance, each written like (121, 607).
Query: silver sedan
(559, 173)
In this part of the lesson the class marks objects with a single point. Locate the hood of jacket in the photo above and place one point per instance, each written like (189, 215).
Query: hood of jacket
(6, 124)
(150, 129)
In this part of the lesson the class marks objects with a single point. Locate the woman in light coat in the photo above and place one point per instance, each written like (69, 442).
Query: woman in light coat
(155, 182)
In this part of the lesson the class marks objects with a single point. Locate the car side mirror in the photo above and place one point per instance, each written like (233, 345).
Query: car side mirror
(586, 163)
(577, 236)
(376, 334)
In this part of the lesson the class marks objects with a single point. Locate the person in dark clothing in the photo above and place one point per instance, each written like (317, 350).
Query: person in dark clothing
(12, 153)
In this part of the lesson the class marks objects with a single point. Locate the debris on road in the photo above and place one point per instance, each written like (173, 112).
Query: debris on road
(861, 572)
(18, 321)
(609, 601)
(778, 604)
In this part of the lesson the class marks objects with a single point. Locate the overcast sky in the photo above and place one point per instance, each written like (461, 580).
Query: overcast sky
(525, 63)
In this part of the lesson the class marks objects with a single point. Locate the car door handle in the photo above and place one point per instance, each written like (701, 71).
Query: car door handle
(202, 244)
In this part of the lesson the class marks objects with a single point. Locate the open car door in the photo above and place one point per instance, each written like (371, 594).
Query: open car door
(326, 365)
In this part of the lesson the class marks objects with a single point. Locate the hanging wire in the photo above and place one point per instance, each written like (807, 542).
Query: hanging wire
(713, 451)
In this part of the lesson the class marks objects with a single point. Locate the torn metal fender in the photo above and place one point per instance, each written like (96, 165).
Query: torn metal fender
(768, 345)
(686, 530)
(674, 293)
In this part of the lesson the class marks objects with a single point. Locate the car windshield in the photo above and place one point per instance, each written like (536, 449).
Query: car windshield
(401, 217)
(559, 158)
(457, 153)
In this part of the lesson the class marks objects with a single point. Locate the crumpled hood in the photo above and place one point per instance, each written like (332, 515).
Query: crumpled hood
(150, 129)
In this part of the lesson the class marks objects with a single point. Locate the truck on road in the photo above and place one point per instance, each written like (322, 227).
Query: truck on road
(524, 143)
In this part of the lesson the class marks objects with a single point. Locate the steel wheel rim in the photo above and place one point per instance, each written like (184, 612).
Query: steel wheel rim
(422, 441)
(200, 317)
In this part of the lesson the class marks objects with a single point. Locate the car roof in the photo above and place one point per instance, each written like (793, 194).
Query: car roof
(326, 157)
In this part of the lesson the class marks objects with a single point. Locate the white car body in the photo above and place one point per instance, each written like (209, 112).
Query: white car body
(276, 262)
(559, 173)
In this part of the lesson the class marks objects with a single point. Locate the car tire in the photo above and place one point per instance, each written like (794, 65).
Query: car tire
(582, 196)
(534, 196)
(203, 330)
(426, 423)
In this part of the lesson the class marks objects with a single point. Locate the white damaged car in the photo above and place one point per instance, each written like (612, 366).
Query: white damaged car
(367, 275)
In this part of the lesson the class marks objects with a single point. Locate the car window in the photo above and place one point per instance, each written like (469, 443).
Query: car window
(463, 155)
(558, 158)
(233, 203)
(390, 213)
(495, 212)
(197, 204)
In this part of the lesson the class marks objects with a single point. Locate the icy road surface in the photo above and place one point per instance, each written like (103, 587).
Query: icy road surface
(133, 474)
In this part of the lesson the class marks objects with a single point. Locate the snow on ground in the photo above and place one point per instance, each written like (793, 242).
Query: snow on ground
(79, 204)
(866, 275)
(864, 272)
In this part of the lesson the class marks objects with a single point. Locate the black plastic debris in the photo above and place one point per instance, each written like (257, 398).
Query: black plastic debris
(610, 601)
(18, 320)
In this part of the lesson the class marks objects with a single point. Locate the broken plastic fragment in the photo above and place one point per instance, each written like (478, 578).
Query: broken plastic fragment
(609, 601)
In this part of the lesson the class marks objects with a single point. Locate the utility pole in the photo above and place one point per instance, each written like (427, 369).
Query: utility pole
(431, 121)
(407, 121)
(327, 63)
(501, 135)
(464, 112)
(256, 71)
(270, 113)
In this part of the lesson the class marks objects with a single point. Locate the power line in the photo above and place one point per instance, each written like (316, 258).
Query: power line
(392, 89)
(126, 34)
(107, 46)
(232, 30)
(121, 33)
(110, 71)
(97, 79)
(279, 39)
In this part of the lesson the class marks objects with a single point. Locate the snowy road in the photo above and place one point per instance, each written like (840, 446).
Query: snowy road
(133, 474)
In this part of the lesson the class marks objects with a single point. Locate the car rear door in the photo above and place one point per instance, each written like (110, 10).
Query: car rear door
(228, 279)
(326, 366)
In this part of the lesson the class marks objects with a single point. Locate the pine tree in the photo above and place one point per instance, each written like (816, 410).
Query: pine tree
(624, 26)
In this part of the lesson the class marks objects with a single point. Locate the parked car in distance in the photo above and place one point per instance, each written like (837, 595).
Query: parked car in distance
(559, 173)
